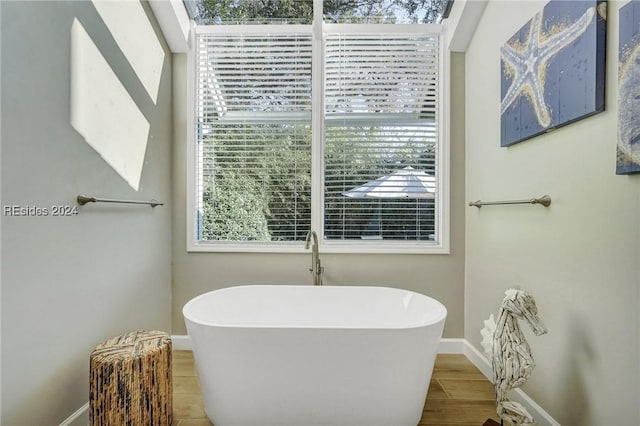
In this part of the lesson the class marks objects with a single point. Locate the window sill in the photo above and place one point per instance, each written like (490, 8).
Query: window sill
(359, 247)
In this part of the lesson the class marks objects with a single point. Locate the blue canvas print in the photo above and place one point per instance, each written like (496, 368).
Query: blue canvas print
(628, 158)
(553, 69)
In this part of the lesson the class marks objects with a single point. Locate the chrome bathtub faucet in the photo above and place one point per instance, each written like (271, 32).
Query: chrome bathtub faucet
(316, 269)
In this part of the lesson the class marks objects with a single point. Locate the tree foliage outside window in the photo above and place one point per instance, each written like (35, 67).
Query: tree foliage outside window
(340, 11)
(239, 212)
(263, 194)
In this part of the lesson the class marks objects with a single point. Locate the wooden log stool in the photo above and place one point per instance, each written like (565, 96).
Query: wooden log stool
(131, 381)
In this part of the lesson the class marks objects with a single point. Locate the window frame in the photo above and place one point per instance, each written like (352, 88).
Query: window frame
(318, 29)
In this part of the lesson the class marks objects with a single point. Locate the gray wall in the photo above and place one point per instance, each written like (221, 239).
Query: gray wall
(69, 283)
(440, 276)
(579, 258)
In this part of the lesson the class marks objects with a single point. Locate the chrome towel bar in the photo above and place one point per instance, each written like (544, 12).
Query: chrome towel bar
(83, 199)
(545, 200)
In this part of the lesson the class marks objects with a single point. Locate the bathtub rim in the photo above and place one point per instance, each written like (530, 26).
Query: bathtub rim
(432, 322)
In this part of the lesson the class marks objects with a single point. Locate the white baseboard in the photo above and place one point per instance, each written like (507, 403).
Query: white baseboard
(478, 359)
(539, 414)
(80, 417)
(447, 346)
(181, 342)
(451, 346)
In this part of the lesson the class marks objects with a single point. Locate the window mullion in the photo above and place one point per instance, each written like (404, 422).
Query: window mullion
(317, 122)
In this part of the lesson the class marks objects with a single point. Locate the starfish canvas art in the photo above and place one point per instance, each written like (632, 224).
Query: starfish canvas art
(628, 158)
(553, 69)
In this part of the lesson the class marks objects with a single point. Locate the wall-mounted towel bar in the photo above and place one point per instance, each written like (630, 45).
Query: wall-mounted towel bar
(83, 199)
(545, 200)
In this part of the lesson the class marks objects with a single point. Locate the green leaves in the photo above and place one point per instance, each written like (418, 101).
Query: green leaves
(255, 11)
(301, 11)
(260, 185)
(236, 209)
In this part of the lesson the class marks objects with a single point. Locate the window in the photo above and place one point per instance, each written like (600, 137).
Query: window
(254, 137)
(332, 127)
(238, 12)
(380, 142)
(208, 12)
(386, 11)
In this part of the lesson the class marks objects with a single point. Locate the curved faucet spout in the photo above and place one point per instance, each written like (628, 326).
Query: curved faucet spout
(310, 235)
(316, 269)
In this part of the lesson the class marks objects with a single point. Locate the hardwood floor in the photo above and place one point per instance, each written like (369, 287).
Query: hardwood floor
(459, 394)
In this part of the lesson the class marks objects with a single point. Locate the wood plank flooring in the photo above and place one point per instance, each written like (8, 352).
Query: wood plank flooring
(459, 394)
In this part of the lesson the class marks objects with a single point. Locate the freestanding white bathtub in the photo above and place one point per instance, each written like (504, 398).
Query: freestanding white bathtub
(314, 355)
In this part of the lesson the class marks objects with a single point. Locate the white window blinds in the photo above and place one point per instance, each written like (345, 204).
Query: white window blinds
(253, 113)
(381, 137)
